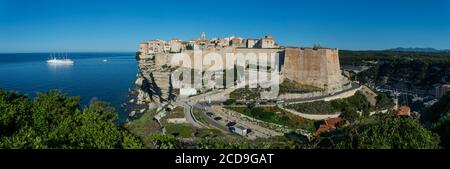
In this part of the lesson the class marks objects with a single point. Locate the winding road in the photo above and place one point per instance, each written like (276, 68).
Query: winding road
(311, 116)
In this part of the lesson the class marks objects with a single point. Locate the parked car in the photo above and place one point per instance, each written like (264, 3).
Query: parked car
(210, 114)
(230, 124)
(217, 118)
(280, 101)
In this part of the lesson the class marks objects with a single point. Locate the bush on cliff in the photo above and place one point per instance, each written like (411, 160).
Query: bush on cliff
(137, 56)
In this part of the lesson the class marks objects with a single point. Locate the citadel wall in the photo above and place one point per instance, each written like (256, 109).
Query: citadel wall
(314, 67)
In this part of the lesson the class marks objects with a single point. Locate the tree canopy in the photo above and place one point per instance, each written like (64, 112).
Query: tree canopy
(381, 132)
(53, 120)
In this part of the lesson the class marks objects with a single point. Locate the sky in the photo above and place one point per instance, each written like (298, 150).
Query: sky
(110, 25)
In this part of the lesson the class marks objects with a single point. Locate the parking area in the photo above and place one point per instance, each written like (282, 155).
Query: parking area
(232, 122)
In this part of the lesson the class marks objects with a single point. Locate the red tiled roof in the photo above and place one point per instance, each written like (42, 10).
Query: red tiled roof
(403, 111)
(333, 121)
(328, 125)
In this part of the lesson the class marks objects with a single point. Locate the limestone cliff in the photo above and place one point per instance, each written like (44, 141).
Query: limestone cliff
(154, 83)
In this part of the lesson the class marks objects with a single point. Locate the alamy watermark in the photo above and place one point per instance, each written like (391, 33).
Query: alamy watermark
(213, 70)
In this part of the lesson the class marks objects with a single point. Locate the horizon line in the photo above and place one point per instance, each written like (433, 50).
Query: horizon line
(25, 52)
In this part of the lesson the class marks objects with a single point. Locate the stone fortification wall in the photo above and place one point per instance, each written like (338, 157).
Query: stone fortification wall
(313, 67)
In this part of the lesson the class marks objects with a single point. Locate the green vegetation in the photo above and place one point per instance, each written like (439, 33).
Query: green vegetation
(357, 57)
(149, 130)
(442, 127)
(414, 70)
(277, 116)
(177, 112)
(229, 102)
(438, 110)
(352, 104)
(246, 93)
(189, 131)
(439, 116)
(189, 47)
(380, 132)
(144, 127)
(182, 130)
(53, 120)
(383, 101)
(409, 73)
(137, 55)
(289, 86)
(198, 116)
(170, 142)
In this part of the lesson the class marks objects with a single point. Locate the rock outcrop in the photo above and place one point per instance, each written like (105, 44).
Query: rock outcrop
(154, 83)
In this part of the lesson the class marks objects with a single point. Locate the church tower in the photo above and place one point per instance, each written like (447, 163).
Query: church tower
(203, 36)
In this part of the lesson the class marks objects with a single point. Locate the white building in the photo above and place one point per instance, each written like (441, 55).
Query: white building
(267, 42)
(155, 46)
(175, 45)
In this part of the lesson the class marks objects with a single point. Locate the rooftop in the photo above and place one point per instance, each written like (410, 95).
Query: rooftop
(403, 111)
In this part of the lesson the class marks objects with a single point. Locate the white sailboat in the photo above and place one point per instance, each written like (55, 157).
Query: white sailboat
(64, 61)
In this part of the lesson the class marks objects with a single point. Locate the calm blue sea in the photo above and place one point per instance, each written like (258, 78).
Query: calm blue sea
(102, 76)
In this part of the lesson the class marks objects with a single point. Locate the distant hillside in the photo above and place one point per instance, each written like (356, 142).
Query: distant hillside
(400, 49)
(357, 57)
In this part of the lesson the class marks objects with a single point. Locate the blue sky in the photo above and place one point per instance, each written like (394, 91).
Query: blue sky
(69, 25)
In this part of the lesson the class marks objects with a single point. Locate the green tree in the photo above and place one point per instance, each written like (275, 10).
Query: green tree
(383, 101)
(443, 129)
(53, 120)
(137, 55)
(381, 132)
(350, 114)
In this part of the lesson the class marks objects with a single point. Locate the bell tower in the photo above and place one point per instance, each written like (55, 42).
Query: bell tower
(203, 36)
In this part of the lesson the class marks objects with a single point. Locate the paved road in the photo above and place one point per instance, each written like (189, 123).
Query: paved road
(318, 98)
(189, 114)
(257, 130)
(210, 121)
(218, 97)
(311, 116)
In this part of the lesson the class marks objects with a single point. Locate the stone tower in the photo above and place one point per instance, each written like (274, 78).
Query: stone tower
(203, 36)
(318, 67)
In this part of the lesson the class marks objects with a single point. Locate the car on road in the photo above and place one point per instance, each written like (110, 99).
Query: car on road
(210, 114)
(280, 101)
(240, 103)
(230, 124)
(217, 118)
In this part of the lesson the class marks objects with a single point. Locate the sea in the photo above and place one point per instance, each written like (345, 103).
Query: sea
(101, 76)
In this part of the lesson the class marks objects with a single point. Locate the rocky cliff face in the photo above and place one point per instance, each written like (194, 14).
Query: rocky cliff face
(154, 83)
